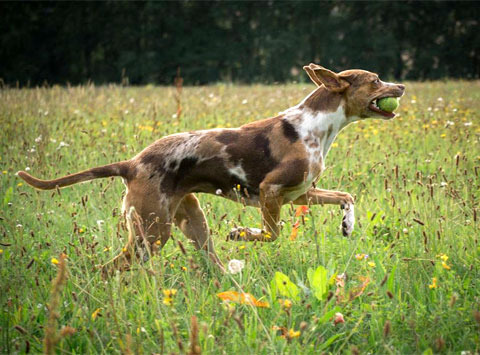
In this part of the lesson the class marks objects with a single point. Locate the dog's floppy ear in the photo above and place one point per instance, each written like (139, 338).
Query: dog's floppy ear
(321, 75)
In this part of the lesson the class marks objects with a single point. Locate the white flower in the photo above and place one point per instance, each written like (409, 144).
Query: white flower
(38, 139)
(218, 192)
(235, 266)
(244, 101)
(100, 223)
(467, 124)
(63, 144)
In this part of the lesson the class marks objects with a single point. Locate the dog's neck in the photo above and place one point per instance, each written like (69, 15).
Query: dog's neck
(318, 119)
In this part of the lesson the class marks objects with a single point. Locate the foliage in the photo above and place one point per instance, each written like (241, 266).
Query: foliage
(243, 41)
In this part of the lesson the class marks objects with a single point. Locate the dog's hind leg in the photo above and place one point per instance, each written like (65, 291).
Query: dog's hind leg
(191, 220)
(149, 219)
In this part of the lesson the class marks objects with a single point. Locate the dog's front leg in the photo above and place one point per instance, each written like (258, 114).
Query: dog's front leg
(321, 197)
(271, 202)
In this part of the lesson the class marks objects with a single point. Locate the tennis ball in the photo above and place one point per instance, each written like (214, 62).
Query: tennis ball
(388, 104)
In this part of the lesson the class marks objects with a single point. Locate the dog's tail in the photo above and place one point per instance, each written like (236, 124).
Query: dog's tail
(117, 169)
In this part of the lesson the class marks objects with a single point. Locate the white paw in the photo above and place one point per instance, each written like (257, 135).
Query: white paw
(348, 221)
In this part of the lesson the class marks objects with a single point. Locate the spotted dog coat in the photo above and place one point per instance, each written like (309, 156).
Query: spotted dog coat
(265, 164)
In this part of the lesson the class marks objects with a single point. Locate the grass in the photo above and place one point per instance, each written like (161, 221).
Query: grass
(416, 183)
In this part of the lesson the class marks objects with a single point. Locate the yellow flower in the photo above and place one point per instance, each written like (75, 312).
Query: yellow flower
(444, 257)
(169, 292)
(4, 172)
(241, 247)
(168, 301)
(238, 187)
(360, 256)
(158, 242)
(433, 284)
(371, 264)
(286, 304)
(184, 268)
(107, 248)
(293, 334)
(96, 313)
(1, 251)
(445, 266)
(54, 261)
(20, 184)
(124, 250)
(443, 135)
(81, 230)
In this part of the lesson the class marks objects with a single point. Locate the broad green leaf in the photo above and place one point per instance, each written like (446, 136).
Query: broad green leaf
(318, 282)
(286, 287)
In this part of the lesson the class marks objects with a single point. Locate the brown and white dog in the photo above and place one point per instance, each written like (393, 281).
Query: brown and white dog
(266, 164)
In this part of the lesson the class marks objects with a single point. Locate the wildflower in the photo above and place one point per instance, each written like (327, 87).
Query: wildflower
(338, 318)
(361, 256)
(286, 303)
(445, 266)
(442, 256)
(158, 242)
(96, 313)
(433, 284)
(20, 184)
(371, 264)
(168, 296)
(184, 268)
(124, 249)
(54, 261)
(243, 298)
(238, 187)
(1, 251)
(293, 334)
(235, 266)
(301, 210)
(107, 248)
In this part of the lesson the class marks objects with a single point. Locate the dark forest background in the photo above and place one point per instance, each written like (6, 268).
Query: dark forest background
(74, 42)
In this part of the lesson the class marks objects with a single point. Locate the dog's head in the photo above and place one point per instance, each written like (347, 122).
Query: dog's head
(360, 89)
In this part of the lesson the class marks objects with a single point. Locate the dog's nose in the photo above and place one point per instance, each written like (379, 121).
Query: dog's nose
(401, 87)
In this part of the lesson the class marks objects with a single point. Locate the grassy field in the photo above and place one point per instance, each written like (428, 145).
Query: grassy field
(410, 280)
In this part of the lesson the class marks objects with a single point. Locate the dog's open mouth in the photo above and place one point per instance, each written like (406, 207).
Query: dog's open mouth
(374, 107)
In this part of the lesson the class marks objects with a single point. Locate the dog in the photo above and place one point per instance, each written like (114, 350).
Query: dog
(265, 164)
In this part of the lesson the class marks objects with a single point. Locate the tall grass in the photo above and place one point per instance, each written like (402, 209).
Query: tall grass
(410, 280)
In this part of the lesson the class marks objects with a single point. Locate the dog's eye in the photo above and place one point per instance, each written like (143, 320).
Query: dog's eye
(376, 81)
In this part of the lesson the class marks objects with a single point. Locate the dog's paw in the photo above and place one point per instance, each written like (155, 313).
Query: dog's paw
(241, 233)
(348, 221)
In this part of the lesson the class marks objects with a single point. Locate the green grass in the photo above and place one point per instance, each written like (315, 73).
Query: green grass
(423, 166)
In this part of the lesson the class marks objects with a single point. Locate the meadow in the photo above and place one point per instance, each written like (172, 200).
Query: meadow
(406, 281)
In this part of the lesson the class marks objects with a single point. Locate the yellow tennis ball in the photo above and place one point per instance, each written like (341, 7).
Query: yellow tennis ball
(388, 104)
